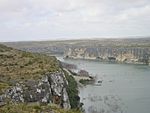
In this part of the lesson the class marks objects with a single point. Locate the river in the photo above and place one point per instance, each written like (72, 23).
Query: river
(125, 87)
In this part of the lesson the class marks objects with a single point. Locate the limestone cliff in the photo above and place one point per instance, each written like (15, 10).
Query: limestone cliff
(118, 54)
(50, 89)
(128, 50)
(31, 78)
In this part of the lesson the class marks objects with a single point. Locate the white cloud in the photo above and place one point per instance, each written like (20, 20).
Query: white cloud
(51, 19)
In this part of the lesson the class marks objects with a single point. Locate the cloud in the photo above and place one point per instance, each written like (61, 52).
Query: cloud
(51, 19)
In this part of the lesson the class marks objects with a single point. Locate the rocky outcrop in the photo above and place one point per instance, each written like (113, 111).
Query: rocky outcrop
(128, 50)
(50, 89)
(119, 54)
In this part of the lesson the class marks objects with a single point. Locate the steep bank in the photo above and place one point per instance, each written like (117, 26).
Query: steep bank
(137, 55)
(128, 50)
(31, 78)
(50, 89)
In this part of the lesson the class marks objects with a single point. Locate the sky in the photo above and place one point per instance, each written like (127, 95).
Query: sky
(23, 20)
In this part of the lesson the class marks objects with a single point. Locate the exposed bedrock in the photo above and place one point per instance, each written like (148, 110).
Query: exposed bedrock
(50, 89)
(127, 55)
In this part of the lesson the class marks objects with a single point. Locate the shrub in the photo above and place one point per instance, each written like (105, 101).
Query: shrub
(72, 90)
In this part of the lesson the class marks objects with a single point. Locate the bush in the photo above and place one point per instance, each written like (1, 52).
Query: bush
(27, 54)
(72, 90)
(86, 81)
(3, 86)
(33, 108)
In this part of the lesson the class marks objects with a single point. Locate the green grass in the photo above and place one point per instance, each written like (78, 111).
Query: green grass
(86, 81)
(3, 87)
(34, 108)
(72, 90)
(15, 64)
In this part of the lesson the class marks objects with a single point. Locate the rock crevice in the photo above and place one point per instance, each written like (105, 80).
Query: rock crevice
(50, 89)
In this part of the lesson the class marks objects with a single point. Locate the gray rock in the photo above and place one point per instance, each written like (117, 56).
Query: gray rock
(50, 89)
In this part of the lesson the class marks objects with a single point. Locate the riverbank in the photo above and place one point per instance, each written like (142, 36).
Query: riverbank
(118, 89)
(95, 59)
(78, 78)
(81, 80)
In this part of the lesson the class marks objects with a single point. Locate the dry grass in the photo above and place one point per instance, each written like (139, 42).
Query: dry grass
(34, 108)
(18, 65)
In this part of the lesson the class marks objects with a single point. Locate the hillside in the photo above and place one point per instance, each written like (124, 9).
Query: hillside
(35, 80)
(29, 65)
(128, 50)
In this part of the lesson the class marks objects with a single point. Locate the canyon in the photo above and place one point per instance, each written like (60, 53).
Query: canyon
(138, 55)
(135, 50)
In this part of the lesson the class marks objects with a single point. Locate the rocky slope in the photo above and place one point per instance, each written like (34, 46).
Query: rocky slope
(31, 78)
(50, 89)
(119, 54)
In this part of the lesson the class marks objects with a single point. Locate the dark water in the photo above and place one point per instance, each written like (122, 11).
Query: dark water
(125, 88)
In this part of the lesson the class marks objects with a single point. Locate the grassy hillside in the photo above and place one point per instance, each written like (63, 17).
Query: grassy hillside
(33, 108)
(112, 42)
(16, 65)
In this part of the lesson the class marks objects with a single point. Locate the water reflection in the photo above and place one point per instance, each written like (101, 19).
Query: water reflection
(107, 104)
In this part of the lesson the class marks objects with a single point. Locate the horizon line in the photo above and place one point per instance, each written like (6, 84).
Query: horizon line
(74, 39)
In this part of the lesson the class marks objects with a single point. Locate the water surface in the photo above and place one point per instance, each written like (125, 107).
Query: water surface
(125, 88)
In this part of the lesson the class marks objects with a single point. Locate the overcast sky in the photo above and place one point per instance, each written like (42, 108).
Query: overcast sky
(67, 19)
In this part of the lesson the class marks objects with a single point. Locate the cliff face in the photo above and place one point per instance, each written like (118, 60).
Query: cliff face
(132, 50)
(50, 89)
(31, 78)
(120, 54)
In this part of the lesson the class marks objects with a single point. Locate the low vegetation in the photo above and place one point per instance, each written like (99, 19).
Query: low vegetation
(86, 81)
(72, 90)
(3, 87)
(18, 65)
(34, 108)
